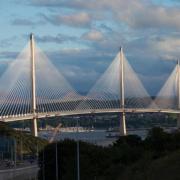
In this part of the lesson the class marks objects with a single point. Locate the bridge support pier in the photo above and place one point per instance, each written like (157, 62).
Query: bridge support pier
(34, 131)
(123, 124)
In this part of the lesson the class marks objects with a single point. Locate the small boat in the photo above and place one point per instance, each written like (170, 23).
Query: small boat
(112, 135)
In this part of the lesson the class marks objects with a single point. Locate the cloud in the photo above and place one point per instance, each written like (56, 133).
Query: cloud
(106, 28)
(139, 13)
(46, 2)
(59, 38)
(81, 19)
(4, 43)
(150, 16)
(167, 47)
(147, 31)
(93, 35)
(169, 44)
(23, 22)
(78, 76)
(78, 65)
(78, 4)
(27, 22)
(8, 54)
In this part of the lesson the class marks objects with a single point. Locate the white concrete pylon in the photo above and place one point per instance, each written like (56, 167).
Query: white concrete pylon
(33, 86)
(123, 117)
(178, 93)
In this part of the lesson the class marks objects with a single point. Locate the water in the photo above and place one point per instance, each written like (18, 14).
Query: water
(96, 137)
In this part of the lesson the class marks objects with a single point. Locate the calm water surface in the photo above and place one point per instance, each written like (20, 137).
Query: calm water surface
(96, 136)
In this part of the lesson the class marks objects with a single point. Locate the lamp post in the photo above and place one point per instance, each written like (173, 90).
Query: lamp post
(57, 174)
(77, 148)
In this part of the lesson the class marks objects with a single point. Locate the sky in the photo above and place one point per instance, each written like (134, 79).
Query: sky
(82, 37)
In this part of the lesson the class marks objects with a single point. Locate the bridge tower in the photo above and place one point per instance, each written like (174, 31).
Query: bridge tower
(33, 86)
(178, 93)
(123, 116)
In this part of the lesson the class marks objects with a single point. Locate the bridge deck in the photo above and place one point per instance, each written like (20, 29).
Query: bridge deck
(83, 112)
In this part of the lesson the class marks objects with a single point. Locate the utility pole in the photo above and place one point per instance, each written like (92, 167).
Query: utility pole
(15, 153)
(21, 148)
(123, 117)
(43, 165)
(33, 86)
(37, 152)
(57, 174)
(78, 164)
(178, 93)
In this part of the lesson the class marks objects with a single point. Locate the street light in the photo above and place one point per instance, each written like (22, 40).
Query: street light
(77, 145)
(57, 175)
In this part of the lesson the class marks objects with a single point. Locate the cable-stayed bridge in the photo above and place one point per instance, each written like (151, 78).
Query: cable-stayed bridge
(33, 88)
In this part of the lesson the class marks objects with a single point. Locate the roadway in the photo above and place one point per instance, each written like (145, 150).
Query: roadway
(27, 172)
(83, 112)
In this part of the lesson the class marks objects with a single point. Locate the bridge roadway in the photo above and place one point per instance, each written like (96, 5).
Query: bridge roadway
(83, 112)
